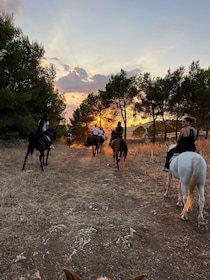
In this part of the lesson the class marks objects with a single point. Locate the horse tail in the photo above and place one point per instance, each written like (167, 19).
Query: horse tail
(192, 183)
(125, 149)
(32, 142)
(31, 150)
(88, 141)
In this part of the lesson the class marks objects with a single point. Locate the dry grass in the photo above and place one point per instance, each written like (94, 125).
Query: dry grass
(83, 214)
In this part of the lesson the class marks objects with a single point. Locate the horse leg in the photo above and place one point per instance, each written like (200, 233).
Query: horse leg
(28, 152)
(184, 215)
(117, 161)
(93, 150)
(96, 149)
(113, 157)
(41, 159)
(201, 201)
(180, 200)
(48, 151)
(168, 184)
(202, 224)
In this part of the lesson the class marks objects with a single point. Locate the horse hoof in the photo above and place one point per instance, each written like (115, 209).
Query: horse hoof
(203, 225)
(184, 217)
(165, 195)
(179, 204)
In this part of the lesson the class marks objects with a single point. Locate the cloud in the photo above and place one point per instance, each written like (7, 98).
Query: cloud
(78, 80)
(77, 83)
(10, 6)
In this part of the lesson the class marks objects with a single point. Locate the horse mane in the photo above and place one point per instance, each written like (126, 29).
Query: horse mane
(125, 148)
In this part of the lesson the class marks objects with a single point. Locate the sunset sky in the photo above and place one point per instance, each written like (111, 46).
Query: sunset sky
(88, 40)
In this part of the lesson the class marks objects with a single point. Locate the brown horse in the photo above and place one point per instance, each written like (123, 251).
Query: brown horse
(94, 142)
(120, 148)
(101, 142)
(72, 276)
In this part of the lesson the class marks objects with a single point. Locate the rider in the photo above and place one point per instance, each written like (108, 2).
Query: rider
(95, 131)
(117, 133)
(186, 140)
(43, 125)
(101, 133)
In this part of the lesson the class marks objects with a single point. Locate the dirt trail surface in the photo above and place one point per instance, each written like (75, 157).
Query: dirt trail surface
(84, 214)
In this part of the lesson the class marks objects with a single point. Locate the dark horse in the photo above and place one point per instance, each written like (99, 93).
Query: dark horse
(69, 139)
(41, 142)
(94, 142)
(120, 148)
(101, 142)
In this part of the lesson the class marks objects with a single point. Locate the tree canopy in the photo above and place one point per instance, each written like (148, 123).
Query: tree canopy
(177, 94)
(26, 87)
(27, 91)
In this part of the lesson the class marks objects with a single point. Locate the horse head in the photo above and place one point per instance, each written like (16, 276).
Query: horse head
(53, 132)
(71, 276)
(88, 141)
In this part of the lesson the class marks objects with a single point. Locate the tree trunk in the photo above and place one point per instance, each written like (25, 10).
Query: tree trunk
(197, 134)
(207, 132)
(165, 129)
(177, 122)
(154, 126)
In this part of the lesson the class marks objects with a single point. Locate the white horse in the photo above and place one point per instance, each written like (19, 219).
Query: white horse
(190, 168)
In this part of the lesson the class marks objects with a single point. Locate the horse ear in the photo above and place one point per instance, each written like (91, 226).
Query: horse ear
(138, 277)
(70, 275)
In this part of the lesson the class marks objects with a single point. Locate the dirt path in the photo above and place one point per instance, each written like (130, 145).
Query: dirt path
(83, 214)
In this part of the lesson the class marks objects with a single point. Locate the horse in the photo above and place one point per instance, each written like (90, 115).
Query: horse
(94, 142)
(69, 139)
(71, 276)
(190, 168)
(120, 148)
(101, 142)
(41, 142)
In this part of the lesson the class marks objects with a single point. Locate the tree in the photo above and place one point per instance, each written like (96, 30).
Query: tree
(152, 95)
(199, 94)
(83, 115)
(26, 88)
(175, 99)
(119, 93)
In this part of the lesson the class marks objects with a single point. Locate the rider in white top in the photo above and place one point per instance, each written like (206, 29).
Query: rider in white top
(101, 132)
(95, 131)
(45, 125)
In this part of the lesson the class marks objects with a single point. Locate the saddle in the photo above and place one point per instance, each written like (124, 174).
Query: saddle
(47, 138)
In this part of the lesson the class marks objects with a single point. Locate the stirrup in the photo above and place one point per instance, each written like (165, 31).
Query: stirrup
(165, 169)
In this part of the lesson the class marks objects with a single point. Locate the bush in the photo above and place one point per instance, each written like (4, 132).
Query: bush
(139, 132)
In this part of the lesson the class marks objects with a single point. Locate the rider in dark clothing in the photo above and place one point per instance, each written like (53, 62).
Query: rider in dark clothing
(117, 133)
(186, 141)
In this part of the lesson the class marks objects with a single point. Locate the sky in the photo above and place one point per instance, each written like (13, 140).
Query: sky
(87, 41)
